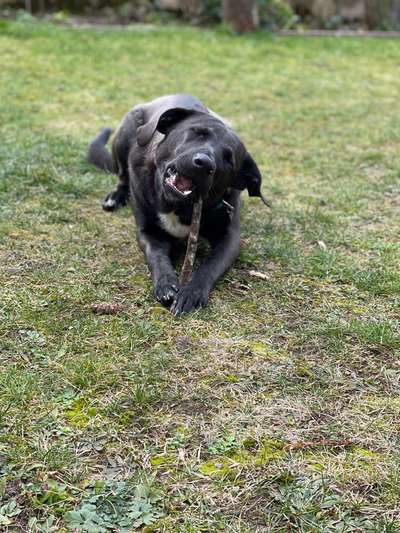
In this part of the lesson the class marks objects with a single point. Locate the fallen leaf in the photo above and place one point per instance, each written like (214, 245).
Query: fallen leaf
(257, 274)
(106, 309)
(181, 455)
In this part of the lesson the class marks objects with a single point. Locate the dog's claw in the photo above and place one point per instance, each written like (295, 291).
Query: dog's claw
(168, 297)
(189, 299)
(166, 290)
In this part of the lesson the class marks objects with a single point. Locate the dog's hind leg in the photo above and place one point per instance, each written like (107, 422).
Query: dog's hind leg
(121, 146)
(99, 156)
(120, 150)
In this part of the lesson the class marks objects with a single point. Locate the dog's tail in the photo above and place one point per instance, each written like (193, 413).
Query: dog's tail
(98, 154)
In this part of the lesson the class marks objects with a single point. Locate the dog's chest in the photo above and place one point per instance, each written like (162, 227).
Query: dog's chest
(172, 224)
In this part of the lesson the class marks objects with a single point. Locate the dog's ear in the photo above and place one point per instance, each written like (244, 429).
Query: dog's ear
(162, 123)
(249, 177)
(171, 117)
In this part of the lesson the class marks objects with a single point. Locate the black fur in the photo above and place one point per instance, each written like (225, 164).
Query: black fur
(167, 153)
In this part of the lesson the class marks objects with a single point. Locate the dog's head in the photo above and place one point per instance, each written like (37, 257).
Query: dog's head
(201, 156)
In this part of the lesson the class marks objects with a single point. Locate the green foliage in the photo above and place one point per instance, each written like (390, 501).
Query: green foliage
(49, 525)
(122, 506)
(212, 10)
(79, 413)
(312, 505)
(24, 17)
(276, 14)
(8, 511)
(87, 519)
(224, 445)
(49, 493)
(178, 441)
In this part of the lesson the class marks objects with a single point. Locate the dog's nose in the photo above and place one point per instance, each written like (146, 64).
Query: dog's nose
(204, 162)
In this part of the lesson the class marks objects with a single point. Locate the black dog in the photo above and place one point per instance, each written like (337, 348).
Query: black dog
(167, 153)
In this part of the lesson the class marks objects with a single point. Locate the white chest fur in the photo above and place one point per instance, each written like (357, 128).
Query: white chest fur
(170, 222)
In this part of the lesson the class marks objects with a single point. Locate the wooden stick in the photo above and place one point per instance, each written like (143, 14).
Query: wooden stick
(193, 238)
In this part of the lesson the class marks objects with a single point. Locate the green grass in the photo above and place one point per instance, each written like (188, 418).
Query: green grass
(276, 408)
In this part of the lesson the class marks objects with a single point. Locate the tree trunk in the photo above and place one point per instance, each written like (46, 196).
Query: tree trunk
(383, 14)
(395, 14)
(242, 15)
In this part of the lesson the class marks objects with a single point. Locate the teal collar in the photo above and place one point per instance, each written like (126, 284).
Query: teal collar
(223, 204)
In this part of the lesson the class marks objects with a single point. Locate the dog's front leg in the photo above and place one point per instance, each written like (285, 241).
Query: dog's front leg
(165, 280)
(223, 254)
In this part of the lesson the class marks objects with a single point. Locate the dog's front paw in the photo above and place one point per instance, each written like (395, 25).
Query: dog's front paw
(188, 299)
(166, 289)
(114, 200)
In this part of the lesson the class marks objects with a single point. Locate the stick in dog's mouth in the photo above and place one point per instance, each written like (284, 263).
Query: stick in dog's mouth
(180, 184)
(191, 248)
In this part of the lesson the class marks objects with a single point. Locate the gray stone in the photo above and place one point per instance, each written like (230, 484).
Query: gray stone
(353, 10)
(169, 5)
(324, 9)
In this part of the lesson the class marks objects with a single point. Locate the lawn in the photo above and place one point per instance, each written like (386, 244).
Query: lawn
(277, 407)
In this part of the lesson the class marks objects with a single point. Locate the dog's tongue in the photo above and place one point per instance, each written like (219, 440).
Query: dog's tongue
(182, 183)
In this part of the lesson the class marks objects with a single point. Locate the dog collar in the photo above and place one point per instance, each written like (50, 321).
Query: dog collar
(223, 205)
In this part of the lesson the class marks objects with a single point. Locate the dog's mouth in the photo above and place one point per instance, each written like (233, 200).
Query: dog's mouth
(180, 184)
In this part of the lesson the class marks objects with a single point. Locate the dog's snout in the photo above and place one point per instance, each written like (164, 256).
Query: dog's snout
(204, 162)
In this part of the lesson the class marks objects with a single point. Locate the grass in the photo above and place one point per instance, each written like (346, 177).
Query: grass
(274, 409)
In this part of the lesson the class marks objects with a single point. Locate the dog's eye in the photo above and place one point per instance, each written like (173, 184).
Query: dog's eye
(201, 132)
(228, 156)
